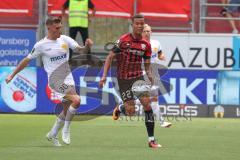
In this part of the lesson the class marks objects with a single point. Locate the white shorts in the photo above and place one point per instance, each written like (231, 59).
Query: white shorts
(61, 88)
(156, 65)
(155, 86)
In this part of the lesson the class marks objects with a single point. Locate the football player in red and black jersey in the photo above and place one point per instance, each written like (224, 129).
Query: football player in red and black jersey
(131, 51)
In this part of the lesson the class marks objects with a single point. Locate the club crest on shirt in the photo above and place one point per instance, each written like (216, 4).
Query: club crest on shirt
(143, 46)
(155, 49)
(64, 46)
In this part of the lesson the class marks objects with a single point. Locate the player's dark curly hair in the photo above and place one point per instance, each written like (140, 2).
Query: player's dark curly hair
(137, 16)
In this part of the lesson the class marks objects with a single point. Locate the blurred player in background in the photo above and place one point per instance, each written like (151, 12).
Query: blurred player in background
(156, 56)
(54, 49)
(132, 50)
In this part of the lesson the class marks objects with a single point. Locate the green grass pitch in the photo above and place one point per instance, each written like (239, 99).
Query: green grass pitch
(22, 137)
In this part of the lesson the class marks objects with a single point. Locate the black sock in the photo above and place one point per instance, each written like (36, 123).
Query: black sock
(122, 109)
(149, 122)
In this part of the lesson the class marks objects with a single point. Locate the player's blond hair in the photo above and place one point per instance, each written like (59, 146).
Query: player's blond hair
(52, 19)
(146, 25)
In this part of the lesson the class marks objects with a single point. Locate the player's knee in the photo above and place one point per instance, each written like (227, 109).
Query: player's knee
(130, 110)
(154, 99)
(76, 100)
(147, 108)
(146, 101)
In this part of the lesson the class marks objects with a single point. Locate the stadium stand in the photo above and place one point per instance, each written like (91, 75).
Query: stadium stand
(211, 21)
(19, 14)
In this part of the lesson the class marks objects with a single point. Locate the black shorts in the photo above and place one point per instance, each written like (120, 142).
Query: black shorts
(125, 88)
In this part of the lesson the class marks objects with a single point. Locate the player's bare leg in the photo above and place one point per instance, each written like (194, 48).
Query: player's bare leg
(129, 107)
(119, 108)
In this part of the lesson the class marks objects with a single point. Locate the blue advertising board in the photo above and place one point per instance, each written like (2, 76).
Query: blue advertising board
(29, 91)
(192, 87)
(21, 93)
(236, 49)
(228, 88)
(93, 99)
(15, 45)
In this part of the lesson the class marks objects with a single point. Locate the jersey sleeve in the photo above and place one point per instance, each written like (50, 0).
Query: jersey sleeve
(116, 47)
(36, 51)
(71, 42)
(148, 51)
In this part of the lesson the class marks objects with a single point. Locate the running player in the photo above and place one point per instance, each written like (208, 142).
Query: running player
(132, 50)
(156, 56)
(54, 49)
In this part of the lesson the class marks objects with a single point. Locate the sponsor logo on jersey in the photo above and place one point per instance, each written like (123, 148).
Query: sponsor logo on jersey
(136, 52)
(154, 55)
(48, 49)
(58, 57)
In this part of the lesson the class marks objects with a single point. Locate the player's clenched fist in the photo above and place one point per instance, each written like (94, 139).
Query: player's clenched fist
(89, 42)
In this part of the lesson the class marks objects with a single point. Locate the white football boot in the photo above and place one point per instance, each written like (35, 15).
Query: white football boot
(66, 137)
(166, 124)
(53, 139)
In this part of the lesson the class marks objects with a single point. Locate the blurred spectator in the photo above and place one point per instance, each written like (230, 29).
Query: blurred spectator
(228, 12)
(78, 17)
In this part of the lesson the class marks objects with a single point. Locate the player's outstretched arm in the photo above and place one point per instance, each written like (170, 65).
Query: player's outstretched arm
(20, 67)
(86, 48)
(107, 65)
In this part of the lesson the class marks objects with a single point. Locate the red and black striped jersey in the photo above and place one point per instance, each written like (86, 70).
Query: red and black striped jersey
(131, 56)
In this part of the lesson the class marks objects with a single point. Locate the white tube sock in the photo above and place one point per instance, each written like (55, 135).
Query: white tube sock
(57, 126)
(70, 113)
(157, 112)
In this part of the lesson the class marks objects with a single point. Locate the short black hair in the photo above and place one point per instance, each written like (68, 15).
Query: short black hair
(137, 16)
(52, 19)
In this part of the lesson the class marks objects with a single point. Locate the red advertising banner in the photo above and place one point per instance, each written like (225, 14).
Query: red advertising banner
(165, 9)
(55, 7)
(125, 8)
(16, 8)
(104, 8)
(114, 8)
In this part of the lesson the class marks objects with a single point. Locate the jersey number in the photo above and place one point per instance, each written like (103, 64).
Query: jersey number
(126, 95)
